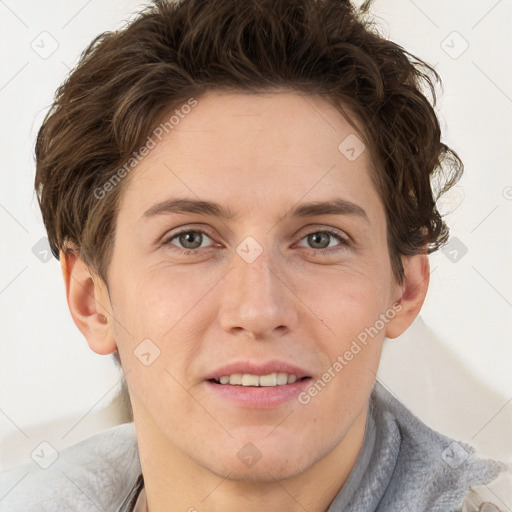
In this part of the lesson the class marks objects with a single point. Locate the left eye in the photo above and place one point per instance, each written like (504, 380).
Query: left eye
(191, 240)
(319, 237)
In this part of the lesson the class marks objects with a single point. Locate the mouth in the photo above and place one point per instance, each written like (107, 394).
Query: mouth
(248, 379)
(258, 386)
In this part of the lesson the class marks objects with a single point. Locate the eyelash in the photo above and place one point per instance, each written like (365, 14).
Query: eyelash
(344, 243)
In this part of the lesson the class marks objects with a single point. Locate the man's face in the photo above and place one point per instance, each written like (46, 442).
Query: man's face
(264, 291)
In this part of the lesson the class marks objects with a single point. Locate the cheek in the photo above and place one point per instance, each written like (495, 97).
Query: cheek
(347, 303)
(350, 351)
(152, 301)
(160, 312)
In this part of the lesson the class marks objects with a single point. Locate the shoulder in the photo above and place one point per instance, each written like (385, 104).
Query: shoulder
(433, 471)
(495, 496)
(94, 474)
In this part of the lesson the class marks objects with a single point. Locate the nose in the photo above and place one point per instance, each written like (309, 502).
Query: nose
(257, 299)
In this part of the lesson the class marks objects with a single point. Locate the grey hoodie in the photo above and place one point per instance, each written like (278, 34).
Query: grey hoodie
(403, 466)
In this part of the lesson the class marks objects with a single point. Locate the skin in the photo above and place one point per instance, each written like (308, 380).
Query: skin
(259, 155)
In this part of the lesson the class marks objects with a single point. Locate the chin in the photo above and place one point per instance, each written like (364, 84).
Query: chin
(249, 464)
(262, 472)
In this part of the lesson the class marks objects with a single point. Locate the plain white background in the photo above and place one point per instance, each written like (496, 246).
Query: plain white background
(452, 368)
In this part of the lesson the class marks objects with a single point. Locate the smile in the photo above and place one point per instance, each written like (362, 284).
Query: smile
(247, 379)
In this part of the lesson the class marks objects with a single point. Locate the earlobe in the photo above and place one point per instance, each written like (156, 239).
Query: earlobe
(88, 303)
(413, 293)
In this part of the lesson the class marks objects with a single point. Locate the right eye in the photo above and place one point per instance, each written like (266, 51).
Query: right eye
(186, 237)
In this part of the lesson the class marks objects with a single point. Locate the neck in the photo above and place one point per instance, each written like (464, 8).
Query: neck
(174, 482)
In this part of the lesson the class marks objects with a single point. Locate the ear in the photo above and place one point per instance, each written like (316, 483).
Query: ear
(411, 295)
(88, 303)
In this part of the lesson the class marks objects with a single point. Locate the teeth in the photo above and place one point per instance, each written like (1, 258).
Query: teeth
(282, 378)
(235, 379)
(250, 380)
(268, 380)
(247, 379)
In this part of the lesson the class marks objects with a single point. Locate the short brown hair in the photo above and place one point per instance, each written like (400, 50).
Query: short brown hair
(173, 51)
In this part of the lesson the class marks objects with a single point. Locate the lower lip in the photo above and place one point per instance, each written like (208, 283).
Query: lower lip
(259, 397)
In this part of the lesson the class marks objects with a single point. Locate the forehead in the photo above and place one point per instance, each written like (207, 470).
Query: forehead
(255, 151)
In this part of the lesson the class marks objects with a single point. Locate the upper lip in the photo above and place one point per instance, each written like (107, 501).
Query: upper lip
(258, 368)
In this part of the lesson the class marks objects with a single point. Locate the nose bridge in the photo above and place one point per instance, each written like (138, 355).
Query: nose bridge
(256, 298)
(254, 275)
(258, 273)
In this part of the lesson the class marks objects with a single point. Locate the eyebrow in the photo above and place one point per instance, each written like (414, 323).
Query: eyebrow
(336, 206)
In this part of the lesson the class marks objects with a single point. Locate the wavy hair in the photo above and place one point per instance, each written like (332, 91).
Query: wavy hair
(171, 51)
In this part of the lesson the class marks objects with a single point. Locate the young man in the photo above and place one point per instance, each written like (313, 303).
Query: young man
(240, 197)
